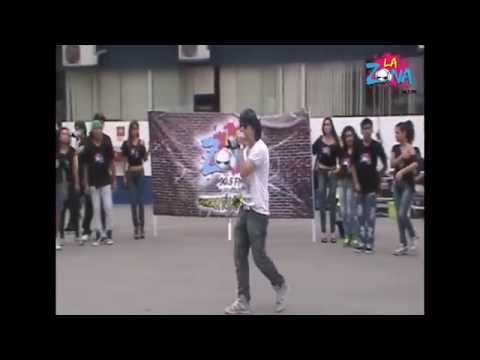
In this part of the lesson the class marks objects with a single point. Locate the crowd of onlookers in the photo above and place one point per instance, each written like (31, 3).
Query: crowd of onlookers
(349, 163)
(86, 177)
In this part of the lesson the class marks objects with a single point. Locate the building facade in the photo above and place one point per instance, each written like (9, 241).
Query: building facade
(325, 79)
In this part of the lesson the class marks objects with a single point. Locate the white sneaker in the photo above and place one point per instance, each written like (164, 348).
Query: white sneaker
(402, 250)
(413, 243)
(95, 242)
(281, 297)
(110, 242)
(239, 307)
(85, 238)
(58, 246)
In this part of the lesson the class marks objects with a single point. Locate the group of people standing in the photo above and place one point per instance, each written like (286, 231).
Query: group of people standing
(86, 178)
(351, 165)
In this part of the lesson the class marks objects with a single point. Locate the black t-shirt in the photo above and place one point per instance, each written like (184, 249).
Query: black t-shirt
(135, 154)
(98, 160)
(64, 165)
(366, 159)
(409, 178)
(346, 163)
(326, 154)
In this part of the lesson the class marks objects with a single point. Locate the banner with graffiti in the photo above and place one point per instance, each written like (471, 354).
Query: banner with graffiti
(195, 173)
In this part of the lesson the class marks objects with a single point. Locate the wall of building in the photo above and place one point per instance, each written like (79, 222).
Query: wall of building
(125, 84)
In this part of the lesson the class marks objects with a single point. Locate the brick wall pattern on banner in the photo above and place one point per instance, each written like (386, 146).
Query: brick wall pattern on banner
(176, 158)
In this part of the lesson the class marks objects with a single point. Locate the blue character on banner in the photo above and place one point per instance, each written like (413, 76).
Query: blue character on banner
(212, 146)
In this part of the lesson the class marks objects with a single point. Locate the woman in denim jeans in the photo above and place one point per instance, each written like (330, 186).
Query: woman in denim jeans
(327, 150)
(348, 184)
(404, 160)
(135, 153)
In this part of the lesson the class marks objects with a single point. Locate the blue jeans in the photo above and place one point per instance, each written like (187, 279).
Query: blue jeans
(348, 206)
(367, 207)
(326, 193)
(136, 184)
(60, 195)
(403, 200)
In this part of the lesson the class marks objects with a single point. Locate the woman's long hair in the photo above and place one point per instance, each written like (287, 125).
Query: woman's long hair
(334, 132)
(356, 139)
(130, 136)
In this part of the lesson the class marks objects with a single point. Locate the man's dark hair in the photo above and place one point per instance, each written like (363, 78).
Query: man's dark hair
(249, 117)
(99, 116)
(81, 125)
(366, 122)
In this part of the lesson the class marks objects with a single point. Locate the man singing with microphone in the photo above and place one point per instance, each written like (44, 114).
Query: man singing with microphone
(251, 227)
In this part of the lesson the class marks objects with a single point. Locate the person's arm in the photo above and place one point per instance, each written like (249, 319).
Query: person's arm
(86, 159)
(254, 160)
(145, 151)
(111, 156)
(383, 158)
(75, 172)
(410, 168)
(338, 165)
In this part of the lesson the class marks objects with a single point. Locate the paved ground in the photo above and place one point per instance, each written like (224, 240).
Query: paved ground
(188, 269)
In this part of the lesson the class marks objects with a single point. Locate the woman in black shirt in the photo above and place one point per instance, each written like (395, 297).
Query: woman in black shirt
(327, 151)
(348, 184)
(67, 183)
(135, 153)
(404, 160)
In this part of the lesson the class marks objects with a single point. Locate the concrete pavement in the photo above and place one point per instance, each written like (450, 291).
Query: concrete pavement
(188, 270)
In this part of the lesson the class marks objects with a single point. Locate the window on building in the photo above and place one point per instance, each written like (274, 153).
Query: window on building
(255, 87)
(339, 88)
(80, 98)
(134, 95)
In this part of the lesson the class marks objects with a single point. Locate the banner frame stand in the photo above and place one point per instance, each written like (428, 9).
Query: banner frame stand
(154, 223)
(314, 230)
(229, 229)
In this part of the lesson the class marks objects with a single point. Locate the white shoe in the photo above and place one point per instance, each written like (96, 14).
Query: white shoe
(58, 246)
(402, 250)
(110, 242)
(239, 307)
(413, 243)
(281, 297)
(95, 243)
(85, 238)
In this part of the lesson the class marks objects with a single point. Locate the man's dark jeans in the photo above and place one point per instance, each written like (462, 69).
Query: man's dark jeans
(251, 231)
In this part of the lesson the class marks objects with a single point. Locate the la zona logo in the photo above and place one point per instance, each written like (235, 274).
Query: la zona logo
(390, 70)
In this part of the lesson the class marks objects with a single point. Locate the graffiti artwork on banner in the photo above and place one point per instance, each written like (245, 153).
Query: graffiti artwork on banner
(390, 70)
(220, 165)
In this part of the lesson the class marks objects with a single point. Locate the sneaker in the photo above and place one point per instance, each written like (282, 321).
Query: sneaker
(354, 242)
(369, 249)
(402, 250)
(281, 297)
(239, 306)
(97, 240)
(324, 238)
(136, 233)
(359, 248)
(109, 240)
(413, 243)
(333, 238)
(346, 242)
(85, 237)
(58, 245)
